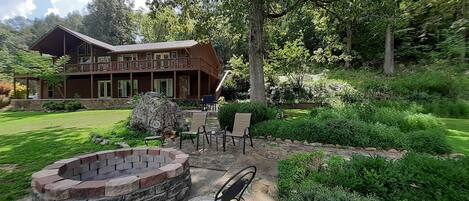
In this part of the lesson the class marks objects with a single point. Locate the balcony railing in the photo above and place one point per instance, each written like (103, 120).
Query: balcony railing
(142, 66)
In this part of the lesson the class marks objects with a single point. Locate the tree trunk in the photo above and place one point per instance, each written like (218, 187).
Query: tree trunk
(389, 51)
(256, 54)
(348, 47)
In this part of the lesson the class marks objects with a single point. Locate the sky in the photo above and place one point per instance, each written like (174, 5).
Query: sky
(39, 8)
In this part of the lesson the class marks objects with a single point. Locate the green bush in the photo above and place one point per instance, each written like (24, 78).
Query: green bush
(448, 108)
(341, 131)
(429, 141)
(72, 105)
(431, 82)
(53, 106)
(414, 177)
(62, 105)
(121, 132)
(296, 181)
(259, 113)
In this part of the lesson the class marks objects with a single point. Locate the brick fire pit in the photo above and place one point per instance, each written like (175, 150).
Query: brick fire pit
(124, 174)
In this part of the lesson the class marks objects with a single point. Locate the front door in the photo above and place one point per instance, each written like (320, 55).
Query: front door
(183, 87)
(104, 89)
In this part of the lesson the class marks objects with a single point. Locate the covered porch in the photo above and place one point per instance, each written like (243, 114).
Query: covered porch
(184, 85)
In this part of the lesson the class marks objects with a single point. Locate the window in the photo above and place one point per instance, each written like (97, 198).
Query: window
(104, 89)
(174, 55)
(85, 60)
(127, 57)
(84, 49)
(50, 92)
(124, 88)
(102, 59)
(148, 56)
(164, 86)
(163, 57)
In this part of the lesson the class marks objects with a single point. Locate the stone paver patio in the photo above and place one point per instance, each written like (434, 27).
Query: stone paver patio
(211, 168)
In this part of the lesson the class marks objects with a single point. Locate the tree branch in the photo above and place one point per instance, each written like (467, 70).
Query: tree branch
(285, 11)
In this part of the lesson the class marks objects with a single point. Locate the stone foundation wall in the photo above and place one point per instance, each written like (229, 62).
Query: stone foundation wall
(36, 105)
(126, 174)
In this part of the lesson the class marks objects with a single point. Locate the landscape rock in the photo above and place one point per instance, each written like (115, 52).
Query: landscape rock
(370, 149)
(155, 114)
(104, 142)
(122, 145)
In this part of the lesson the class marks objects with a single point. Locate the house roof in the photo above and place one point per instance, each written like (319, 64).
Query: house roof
(122, 48)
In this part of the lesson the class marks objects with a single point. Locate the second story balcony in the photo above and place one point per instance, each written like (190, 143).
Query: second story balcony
(179, 64)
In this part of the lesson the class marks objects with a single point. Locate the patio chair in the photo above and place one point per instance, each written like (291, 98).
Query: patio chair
(240, 130)
(196, 128)
(234, 188)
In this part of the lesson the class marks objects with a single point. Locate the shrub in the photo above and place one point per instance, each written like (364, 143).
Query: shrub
(53, 106)
(5, 88)
(431, 82)
(414, 177)
(448, 108)
(62, 105)
(259, 113)
(121, 132)
(296, 181)
(72, 105)
(429, 141)
(20, 92)
(405, 120)
(341, 131)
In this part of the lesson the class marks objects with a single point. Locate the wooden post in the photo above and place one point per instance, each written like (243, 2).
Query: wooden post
(39, 93)
(131, 85)
(174, 85)
(65, 87)
(112, 88)
(209, 85)
(198, 84)
(65, 77)
(152, 83)
(14, 86)
(27, 87)
(91, 86)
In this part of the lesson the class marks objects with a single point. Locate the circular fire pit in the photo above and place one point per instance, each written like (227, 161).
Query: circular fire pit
(124, 174)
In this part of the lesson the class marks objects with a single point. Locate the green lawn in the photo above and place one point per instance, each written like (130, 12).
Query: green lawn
(458, 134)
(31, 140)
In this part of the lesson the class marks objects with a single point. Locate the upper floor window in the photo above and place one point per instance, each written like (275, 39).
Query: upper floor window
(85, 60)
(174, 55)
(84, 49)
(127, 57)
(103, 59)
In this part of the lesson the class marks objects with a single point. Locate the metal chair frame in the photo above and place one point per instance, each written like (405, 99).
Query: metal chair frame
(227, 194)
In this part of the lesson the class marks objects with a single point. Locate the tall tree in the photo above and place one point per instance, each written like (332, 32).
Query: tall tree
(110, 21)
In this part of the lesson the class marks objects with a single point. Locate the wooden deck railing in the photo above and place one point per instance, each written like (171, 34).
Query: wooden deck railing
(142, 66)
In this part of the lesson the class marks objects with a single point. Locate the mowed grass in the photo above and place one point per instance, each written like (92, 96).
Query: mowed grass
(31, 140)
(458, 134)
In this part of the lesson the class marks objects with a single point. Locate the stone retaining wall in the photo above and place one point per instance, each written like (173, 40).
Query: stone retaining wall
(36, 104)
(125, 174)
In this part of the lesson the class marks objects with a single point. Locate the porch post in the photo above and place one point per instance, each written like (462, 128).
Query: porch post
(131, 85)
(27, 87)
(39, 94)
(198, 84)
(152, 82)
(174, 85)
(112, 88)
(209, 85)
(91, 86)
(14, 86)
(65, 77)
(65, 87)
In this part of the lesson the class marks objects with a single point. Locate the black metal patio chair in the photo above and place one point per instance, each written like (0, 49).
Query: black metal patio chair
(234, 188)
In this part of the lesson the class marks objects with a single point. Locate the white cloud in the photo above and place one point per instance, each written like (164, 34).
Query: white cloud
(140, 4)
(11, 9)
(52, 10)
(63, 7)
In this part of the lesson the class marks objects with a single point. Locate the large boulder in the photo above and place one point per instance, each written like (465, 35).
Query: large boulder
(155, 114)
